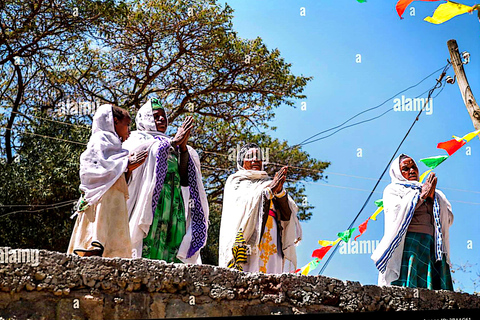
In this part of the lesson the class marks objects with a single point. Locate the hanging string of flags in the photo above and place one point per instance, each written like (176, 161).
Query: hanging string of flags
(444, 11)
(450, 146)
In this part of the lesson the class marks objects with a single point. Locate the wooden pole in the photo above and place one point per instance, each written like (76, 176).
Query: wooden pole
(467, 95)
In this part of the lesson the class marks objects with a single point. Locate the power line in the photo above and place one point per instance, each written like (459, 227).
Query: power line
(321, 171)
(69, 202)
(47, 137)
(344, 187)
(46, 207)
(52, 120)
(364, 111)
(364, 121)
(34, 205)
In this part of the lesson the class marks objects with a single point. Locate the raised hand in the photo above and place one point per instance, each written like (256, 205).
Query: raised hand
(431, 194)
(183, 133)
(428, 188)
(278, 180)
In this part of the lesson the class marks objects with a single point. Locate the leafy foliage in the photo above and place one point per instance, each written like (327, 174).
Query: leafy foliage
(44, 173)
(185, 53)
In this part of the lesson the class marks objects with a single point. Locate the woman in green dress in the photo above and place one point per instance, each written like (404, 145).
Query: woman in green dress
(168, 211)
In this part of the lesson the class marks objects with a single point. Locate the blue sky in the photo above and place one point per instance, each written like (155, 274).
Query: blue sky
(395, 54)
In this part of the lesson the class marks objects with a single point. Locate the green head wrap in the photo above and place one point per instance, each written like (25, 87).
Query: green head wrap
(156, 104)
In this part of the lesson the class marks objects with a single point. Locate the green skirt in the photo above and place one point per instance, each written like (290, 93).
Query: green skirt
(419, 268)
(169, 225)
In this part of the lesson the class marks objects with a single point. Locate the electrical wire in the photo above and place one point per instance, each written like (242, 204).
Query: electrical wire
(52, 120)
(47, 207)
(47, 137)
(320, 171)
(367, 110)
(367, 120)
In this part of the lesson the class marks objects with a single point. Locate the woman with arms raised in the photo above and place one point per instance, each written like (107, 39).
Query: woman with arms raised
(168, 209)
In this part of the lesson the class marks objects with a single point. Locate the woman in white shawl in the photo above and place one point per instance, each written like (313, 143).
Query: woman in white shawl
(259, 228)
(101, 227)
(414, 251)
(168, 209)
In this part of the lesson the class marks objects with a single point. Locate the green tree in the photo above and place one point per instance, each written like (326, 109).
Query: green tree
(39, 187)
(36, 38)
(187, 54)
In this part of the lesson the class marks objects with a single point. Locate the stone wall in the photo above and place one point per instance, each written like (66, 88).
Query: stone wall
(62, 286)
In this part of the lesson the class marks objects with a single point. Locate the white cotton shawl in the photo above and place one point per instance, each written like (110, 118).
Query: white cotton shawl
(243, 208)
(397, 201)
(104, 160)
(142, 183)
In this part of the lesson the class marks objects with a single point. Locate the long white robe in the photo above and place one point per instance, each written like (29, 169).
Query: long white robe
(243, 209)
(102, 166)
(142, 183)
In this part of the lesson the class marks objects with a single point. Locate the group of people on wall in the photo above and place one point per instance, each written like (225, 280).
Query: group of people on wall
(142, 196)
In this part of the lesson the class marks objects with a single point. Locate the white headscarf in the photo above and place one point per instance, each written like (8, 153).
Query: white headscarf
(104, 160)
(249, 151)
(399, 202)
(396, 174)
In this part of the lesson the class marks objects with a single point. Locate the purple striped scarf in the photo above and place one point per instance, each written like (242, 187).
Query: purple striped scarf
(199, 225)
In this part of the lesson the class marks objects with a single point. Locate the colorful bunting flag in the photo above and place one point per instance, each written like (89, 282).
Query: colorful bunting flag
(346, 235)
(308, 267)
(433, 162)
(447, 11)
(468, 136)
(403, 4)
(325, 243)
(375, 214)
(451, 146)
(362, 1)
(362, 228)
(379, 204)
(320, 253)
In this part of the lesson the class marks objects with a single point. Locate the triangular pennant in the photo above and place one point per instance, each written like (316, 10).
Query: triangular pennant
(468, 136)
(451, 146)
(346, 235)
(433, 162)
(320, 253)
(362, 228)
(424, 175)
(325, 243)
(379, 203)
(375, 214)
